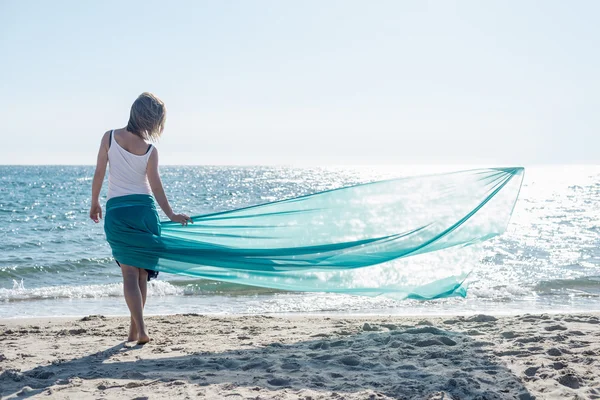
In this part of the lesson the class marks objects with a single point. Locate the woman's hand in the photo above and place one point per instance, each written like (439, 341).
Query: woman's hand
(183, 219)
(96, 212)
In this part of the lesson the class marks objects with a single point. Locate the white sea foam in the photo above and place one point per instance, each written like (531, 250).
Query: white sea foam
(20, 292)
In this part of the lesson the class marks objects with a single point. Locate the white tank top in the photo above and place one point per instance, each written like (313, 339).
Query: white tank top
(127, 171)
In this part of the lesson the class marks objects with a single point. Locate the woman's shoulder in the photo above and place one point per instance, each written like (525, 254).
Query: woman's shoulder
(105, 141)
(153, 152)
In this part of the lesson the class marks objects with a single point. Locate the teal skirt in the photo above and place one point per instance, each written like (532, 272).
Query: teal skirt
(132, 227)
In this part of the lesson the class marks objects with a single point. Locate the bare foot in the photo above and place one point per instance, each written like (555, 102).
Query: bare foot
(143, 339)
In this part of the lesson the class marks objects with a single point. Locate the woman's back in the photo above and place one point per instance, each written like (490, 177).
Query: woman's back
(128, 159)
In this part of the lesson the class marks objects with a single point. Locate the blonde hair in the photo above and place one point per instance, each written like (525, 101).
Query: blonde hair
(147, 117)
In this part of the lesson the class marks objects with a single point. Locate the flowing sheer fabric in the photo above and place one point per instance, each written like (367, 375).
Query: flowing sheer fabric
(332, 241)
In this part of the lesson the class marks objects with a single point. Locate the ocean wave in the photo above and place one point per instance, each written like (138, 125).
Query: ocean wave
(196, 287)
(20, 293)
(20, 269)
(583, 286)
(497, 293)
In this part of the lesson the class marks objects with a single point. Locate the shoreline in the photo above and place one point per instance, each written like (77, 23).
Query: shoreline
(543, 356)
(291, 315)
(339, 314)
(291, 306)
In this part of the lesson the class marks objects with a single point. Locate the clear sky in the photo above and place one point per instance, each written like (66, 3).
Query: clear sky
(305, 82)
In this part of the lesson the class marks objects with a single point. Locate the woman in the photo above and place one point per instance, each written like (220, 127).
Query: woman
(131, 217)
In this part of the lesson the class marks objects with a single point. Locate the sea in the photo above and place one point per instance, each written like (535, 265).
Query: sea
(54, 261)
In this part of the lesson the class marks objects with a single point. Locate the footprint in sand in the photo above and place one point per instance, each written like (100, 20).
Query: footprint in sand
(369, 328)
(436, 342)
(291, 366)
(531, 371)
(339, 343)
(255, 364)
(39, 374)
(558, 365)
(350, 360)
(532, 339)
(482, 318)
(279, 382)
(570, 380)
(554, 352)
(453, 321)
(425, 329)
(555, 328)
(474, 332)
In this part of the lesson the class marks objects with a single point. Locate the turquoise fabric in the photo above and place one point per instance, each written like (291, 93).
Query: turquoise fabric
(343, 240)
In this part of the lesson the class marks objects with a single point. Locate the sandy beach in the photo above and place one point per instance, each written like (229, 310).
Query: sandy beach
(336, 357)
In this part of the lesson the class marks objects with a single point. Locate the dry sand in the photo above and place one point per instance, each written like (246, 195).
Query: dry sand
(263, 357)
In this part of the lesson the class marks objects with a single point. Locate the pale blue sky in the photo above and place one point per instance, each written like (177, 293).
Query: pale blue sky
(305, 82)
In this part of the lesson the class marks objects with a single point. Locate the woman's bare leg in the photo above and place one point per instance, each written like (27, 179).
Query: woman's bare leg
(135, 301)
(143, 283)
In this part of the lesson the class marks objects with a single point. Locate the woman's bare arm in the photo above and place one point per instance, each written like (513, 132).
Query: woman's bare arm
(101, 162)
(159, 192)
